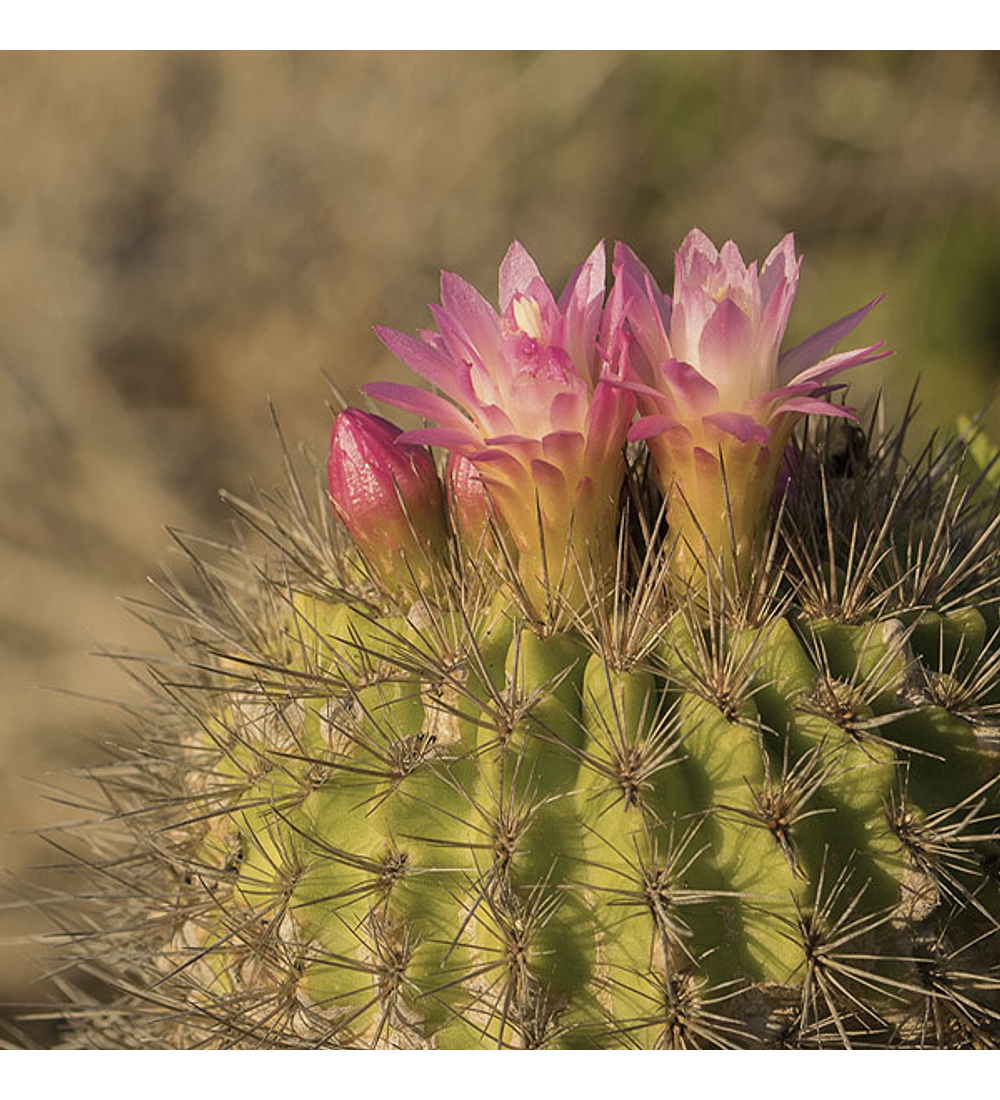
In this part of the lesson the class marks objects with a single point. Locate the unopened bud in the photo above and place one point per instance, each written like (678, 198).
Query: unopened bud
(389, 497)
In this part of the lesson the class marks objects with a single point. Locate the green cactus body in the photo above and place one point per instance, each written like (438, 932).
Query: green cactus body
(467, 832)
(556, 851)
(761, 813)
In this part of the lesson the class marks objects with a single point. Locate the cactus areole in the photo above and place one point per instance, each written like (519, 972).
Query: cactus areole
(641, 698)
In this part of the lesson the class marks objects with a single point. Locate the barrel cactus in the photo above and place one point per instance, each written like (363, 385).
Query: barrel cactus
(643, 698)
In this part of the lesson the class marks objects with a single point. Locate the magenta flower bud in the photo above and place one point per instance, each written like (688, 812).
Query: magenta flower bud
(388, 495)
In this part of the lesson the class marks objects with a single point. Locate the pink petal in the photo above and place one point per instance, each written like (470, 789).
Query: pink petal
(586, 285)
(804, 355)
(611, 409)
(456, 342)
(692, 310)
(726, 343)
(451, 438)
(827, 368)
(781, 263)
(627, 265)
(812, 406)
(519, 454)
(517, 272)
(567, 411)
(470, 311)
(649, 398)
(433, 337)
(691, 386)
(581, 304)
(612, 338)
(583, 497)
(646, 427)
(563, 449)
(696, 251)
(549, 479)
(646, 306)
(428, 363)
(734, 270)
(510, 440)
(706, 463)
(743, 427)
(472, 395)
(774, 317)
(807, 389)
(810, 389)
(498, 468)
(418, 401)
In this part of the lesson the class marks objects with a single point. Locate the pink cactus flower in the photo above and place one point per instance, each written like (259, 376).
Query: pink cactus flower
(529, 398)
(388, 495)
(718, 401)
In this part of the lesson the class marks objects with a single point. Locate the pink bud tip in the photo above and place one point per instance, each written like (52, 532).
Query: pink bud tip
(387, 494)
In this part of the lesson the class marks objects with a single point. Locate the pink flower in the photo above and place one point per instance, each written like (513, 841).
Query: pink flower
(718, 400)
(388, 495)
(530, 399)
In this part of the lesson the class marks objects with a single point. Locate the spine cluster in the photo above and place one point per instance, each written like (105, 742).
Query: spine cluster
(759, 813)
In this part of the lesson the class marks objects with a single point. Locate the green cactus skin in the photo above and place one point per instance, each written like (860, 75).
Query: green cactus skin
(767, 822)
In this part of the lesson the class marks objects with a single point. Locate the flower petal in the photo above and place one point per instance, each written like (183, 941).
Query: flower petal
(804, 355)
(696, 252)
(517, 272)
(568, 411)
(451, 438)
(810, 406)
(781, 263)
(551, 484)
(773, 322)
(646, 427)
(425, 360)
(611, 408)
(726, 345)
(827, 368)
(470, 311)
(743, 427)
(585, 286)
(563, 449)
(414, 400)
(695, 391)
(581, 305)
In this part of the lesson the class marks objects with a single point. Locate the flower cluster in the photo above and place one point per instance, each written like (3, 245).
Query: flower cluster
(536, 400)
(532, 400)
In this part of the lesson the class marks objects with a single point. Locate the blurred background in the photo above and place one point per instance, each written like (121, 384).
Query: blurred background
(185, 235)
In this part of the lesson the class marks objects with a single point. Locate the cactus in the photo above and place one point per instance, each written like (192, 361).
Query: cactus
(557, 753)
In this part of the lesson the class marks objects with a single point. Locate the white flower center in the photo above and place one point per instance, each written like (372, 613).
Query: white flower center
(528, 315)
